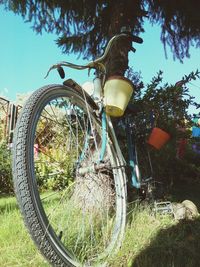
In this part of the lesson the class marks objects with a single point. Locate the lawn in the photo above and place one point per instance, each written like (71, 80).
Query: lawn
(16, 247)
(151, 241)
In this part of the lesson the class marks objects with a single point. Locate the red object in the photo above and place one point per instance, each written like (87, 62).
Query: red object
(158, 138)
(181, 148)
(36, 150)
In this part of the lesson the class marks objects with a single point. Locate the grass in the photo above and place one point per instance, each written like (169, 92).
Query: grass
(159, 242)
(16, 247)
(151, 241)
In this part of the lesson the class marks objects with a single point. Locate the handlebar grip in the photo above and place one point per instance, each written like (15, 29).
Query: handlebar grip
(137, 39)
(61, 72)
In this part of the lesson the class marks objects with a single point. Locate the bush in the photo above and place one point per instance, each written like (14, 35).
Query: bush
(166, 106)
(6, 185)
(50, 176)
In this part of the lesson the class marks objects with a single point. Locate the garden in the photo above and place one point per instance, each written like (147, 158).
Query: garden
(149, 237)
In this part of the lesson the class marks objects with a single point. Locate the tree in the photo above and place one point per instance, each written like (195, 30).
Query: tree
(169, 106)
(85, 26)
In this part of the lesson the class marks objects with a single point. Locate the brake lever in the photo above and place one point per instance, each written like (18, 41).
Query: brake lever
(59, 69)
(50, 69)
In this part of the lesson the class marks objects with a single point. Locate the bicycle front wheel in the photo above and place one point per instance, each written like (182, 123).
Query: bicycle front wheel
(72, 204)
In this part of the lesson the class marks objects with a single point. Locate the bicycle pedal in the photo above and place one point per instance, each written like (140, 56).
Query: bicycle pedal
(147, 179)
(163, 207)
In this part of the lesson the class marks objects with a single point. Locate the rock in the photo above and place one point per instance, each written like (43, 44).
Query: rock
(191, 209)
(185, 210)
(179, 211)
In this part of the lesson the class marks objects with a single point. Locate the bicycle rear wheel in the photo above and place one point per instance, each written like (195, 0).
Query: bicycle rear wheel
(72, 204)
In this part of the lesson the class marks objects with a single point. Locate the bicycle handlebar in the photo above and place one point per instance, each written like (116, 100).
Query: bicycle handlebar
(97, 62)
(135, 39)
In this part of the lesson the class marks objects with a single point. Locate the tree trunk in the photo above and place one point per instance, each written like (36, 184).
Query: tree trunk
(123, 16)
(95, 191)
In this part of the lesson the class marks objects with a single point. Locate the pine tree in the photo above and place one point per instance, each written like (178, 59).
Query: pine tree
(85, 26)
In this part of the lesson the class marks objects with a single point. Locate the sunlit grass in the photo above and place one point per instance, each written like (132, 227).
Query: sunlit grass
(85, 233)
(16, 246)
(151, 241)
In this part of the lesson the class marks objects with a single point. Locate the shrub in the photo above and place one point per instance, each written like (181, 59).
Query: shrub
(166, 106)
(50, 175)
(6, 185)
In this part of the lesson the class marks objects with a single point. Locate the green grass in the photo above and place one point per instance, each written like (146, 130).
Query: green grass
(159, 242)
(151, 241)
(16, 246)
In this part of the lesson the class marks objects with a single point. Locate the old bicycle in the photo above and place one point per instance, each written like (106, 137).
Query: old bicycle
(69, 171)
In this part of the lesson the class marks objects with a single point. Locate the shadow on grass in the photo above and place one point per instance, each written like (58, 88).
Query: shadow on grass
(185, 190)
(176, 246)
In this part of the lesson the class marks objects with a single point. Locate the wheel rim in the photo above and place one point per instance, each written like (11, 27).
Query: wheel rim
(82, 215)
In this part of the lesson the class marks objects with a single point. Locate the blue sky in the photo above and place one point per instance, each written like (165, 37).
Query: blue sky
(25, 58)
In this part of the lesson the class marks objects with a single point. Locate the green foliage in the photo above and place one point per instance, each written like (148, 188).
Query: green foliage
(6, 185)
(179, 22)
(168, 104)
(54, 159)
(54, 175)
(1, 131)
(189, 166)
(85, 26)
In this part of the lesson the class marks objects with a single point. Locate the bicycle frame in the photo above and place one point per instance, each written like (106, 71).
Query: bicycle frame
(97, 96)
(137, 180)
(107, 124)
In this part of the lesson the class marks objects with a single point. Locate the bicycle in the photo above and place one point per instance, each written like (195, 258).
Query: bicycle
(65, 140)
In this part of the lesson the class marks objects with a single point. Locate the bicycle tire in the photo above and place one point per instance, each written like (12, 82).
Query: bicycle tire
(36, 211)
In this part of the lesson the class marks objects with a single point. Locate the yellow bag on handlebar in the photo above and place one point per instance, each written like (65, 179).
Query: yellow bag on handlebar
(117, 93)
